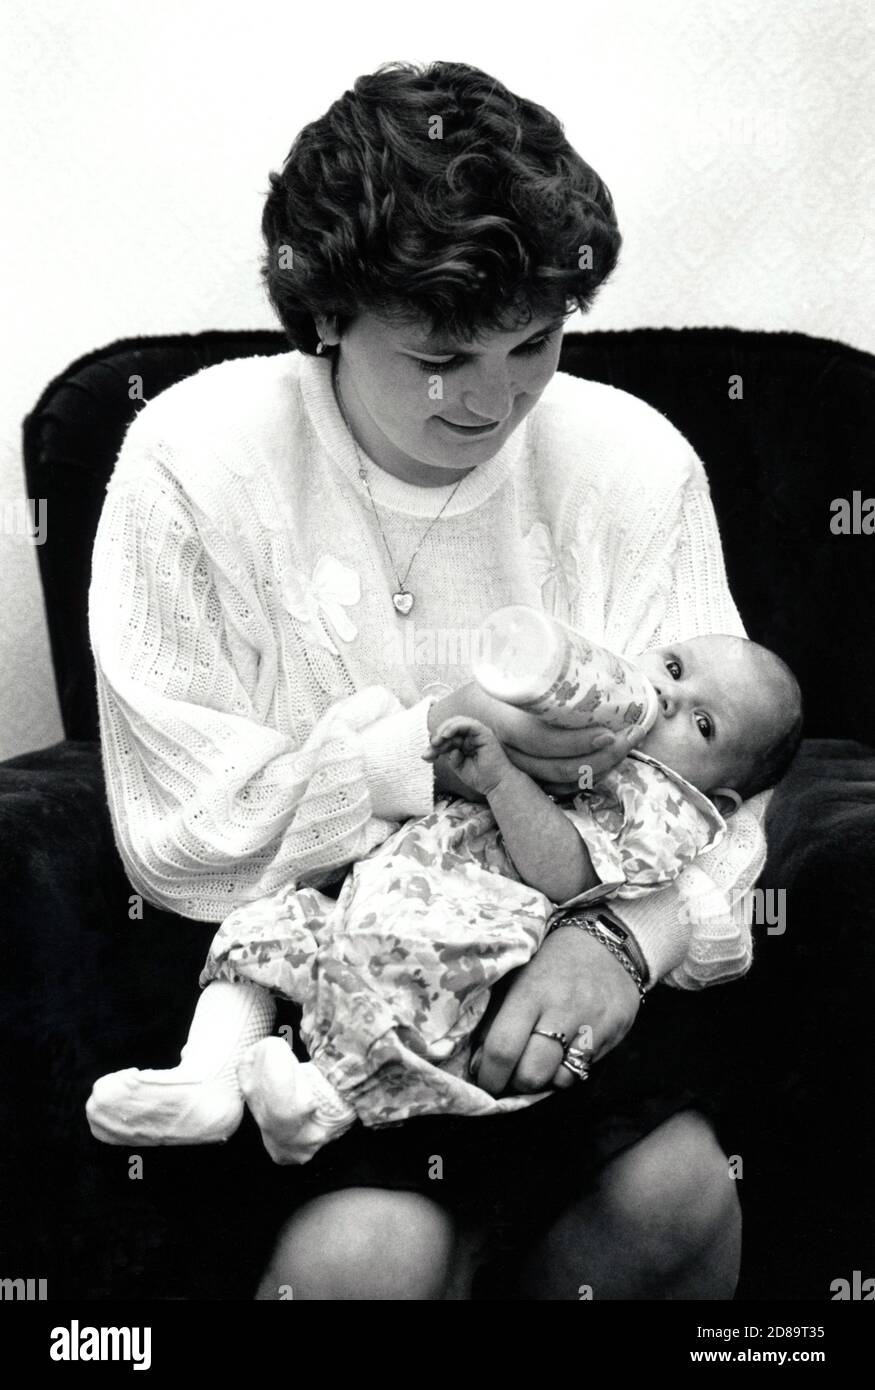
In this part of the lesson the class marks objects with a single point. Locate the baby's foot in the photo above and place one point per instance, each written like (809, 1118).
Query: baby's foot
(149, 1108)
(198, 1102)
(294, 1106)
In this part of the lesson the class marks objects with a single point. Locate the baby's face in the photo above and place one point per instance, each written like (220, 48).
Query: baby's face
(714, 709)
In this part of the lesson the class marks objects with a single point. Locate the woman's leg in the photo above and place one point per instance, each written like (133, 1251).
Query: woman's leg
(663, 1221)
(363, 1243)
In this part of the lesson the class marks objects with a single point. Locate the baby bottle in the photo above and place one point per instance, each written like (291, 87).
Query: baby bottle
(537, 663)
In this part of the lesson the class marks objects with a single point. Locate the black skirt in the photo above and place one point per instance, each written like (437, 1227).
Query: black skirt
(515, 1174)
(505, 1178)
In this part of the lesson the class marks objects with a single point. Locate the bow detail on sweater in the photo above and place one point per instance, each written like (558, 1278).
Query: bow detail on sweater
(333, 588)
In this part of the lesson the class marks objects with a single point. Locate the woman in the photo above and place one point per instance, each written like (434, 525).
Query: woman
(292, 561)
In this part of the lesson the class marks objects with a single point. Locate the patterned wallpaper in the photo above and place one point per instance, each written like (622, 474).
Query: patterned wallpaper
(737, 141)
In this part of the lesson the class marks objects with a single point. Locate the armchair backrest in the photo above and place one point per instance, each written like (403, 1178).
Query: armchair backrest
(784, 424)
(71, 441)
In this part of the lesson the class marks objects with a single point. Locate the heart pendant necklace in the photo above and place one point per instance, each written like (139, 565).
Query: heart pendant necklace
(402, 599)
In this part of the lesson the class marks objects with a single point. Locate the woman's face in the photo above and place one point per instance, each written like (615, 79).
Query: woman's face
(428, 410)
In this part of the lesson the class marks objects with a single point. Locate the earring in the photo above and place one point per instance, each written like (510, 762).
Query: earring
(320, 348)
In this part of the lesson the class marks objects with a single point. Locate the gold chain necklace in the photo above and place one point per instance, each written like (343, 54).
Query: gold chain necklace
(402, 599)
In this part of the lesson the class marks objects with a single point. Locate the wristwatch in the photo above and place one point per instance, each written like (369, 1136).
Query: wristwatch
(624, 939)
(602, 923)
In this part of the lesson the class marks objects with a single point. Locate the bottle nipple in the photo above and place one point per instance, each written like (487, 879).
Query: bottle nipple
(651, 707)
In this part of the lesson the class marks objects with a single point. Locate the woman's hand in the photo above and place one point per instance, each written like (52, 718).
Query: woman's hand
(572, 983)
(560, 760)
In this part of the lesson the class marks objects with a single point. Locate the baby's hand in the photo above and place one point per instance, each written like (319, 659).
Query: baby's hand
(472, 750)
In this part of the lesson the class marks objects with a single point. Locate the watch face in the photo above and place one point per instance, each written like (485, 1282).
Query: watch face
(613, 929)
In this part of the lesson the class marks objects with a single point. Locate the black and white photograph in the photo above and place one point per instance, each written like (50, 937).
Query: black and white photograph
(437, 695)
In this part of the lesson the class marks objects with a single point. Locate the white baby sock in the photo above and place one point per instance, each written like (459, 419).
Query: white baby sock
(198, 1102)
(294, 1106)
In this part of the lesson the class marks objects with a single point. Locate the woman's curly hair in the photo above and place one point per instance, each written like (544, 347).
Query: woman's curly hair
(433, 193)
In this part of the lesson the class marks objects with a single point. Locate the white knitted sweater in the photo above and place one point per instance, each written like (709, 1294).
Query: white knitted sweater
(262, 705)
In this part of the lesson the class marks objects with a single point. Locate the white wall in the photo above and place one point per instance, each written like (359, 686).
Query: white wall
(736, 139)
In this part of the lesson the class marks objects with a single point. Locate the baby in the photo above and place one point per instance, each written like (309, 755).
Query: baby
(394, 977)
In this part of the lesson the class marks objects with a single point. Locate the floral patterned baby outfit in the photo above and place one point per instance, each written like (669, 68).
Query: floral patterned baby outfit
(394, 977)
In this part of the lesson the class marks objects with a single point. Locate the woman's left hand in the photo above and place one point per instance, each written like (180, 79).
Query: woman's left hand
(573, 982)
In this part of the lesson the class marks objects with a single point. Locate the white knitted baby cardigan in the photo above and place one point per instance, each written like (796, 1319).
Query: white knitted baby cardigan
(263, 707)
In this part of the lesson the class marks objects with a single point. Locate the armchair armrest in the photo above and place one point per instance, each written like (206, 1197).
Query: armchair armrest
(58, 869)
(83, 971)
(88, 988)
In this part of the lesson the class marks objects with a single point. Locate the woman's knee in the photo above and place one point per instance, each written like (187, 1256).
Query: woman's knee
(362, 1243)
(673, 1193)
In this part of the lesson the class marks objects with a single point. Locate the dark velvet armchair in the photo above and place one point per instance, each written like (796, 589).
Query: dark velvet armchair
(88, 986)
